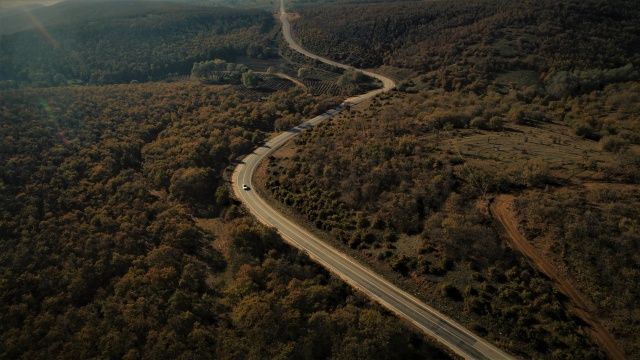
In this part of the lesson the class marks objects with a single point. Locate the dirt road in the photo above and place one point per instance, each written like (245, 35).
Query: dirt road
(500, 210)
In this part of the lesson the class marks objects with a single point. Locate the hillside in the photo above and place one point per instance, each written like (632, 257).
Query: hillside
(501, 101)
(120, 238)
(108, 42)
(491, 34)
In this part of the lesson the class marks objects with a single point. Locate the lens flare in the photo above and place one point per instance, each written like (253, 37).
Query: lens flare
(49, 111)
(36, 24)
(56, 123)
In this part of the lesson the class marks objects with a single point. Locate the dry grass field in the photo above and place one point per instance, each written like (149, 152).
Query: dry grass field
(565, 154)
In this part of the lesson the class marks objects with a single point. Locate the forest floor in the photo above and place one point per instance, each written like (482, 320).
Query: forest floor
(501, 211)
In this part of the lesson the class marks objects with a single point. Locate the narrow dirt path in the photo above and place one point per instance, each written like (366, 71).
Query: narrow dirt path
(500, 210)
(295, 81)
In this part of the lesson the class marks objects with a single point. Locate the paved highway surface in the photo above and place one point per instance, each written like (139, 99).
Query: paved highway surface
(459, 339)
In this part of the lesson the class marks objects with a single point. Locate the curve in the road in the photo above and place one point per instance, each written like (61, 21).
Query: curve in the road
(456, 337)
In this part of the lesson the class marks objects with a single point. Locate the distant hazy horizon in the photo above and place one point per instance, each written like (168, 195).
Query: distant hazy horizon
(5, 4)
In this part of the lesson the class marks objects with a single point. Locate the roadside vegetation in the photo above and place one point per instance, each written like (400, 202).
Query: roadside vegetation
(492, 102)
(120, 238)
(417, 211)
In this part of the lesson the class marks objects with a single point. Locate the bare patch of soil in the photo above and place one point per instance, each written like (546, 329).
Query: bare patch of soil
(293, 16)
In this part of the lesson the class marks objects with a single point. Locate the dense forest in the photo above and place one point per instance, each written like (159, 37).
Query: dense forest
(119, 236)
(118, 42)
(102, 255)
(490, 34)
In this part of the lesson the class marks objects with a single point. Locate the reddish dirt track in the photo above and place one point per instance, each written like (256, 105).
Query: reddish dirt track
(500, 210)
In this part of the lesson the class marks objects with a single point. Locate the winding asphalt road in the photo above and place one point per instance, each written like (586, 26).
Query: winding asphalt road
(444, 329)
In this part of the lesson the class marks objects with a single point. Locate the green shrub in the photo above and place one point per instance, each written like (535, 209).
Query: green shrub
(451, 292)
(613, 143)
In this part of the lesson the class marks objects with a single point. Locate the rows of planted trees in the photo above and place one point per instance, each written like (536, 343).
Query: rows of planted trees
(101, 256)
